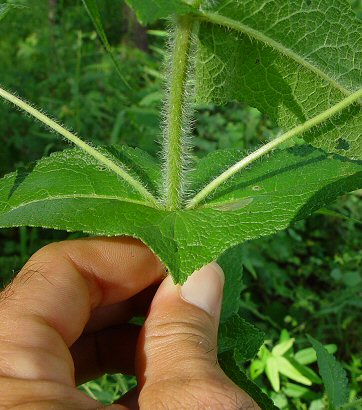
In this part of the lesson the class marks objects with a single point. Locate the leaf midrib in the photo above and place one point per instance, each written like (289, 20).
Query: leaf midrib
(217, 19)
(80, 196)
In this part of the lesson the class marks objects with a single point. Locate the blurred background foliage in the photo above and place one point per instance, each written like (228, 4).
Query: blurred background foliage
(307, 279)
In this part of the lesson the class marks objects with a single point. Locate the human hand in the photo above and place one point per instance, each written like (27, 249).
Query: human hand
(63, 321)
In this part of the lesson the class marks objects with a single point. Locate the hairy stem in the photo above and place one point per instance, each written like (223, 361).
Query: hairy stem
(81, 144)
(174, 144)
(298, 130)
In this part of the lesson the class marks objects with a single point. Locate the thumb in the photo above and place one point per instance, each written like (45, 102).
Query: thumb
(179, 338)
(176, 358)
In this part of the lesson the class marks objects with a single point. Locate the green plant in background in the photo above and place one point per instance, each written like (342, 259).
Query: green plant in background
(6, 8)
(274, 363)
(283, 361)
(334, 377)
(222, 51)
(108, 388)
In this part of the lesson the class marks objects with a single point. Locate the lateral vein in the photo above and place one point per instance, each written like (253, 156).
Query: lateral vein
(243, 28)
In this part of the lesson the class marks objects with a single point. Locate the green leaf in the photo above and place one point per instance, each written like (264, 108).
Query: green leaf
(256, 368)
(93, 10)
(5, 9)
(288, 370)
(354, 405)
(333, 375)
(149, 11)
(308, 355)
(271, 370)
(238, 335)
(263, 354)
(284, 336)
(294, 390)
(285, 58)
(282, 347)
(336, 214)
(352, 279)
(305, 371)
(238, 376)
(70, 191)
(231, 263)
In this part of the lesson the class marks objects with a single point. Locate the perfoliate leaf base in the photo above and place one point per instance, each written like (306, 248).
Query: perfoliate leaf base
(70, 191)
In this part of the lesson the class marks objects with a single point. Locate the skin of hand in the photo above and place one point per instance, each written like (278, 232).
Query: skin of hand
(64, 320)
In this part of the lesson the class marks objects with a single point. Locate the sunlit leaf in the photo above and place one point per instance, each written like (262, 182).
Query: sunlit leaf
(308, 355)
(271, 370)
(288, 370)
(282, 347)
(257, 367)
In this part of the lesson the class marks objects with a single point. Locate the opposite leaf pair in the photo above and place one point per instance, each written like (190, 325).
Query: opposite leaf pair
(267, 54)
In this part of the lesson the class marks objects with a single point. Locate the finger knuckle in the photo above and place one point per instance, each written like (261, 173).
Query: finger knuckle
(188, 332)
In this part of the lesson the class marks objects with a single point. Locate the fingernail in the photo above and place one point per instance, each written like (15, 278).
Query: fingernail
(204, 288)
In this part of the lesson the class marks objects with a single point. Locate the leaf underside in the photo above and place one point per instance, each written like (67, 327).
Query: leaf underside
(291, 59)
(69, 191)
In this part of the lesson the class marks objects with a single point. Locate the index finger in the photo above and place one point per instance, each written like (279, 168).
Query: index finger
(48, 304)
